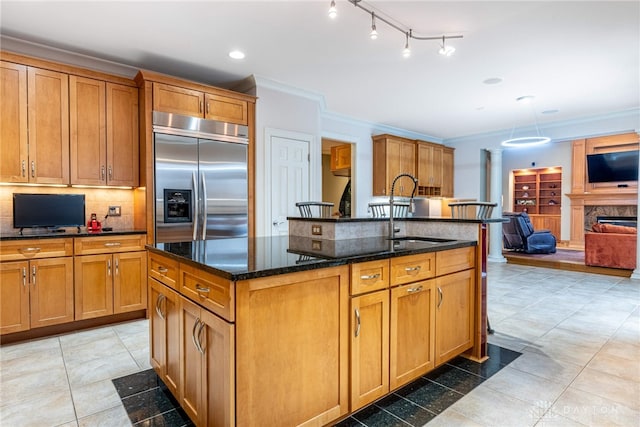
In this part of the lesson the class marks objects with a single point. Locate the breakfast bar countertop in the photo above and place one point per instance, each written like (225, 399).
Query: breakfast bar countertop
(249, 258)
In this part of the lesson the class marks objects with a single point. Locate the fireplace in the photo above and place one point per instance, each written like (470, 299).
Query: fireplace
(612, 214)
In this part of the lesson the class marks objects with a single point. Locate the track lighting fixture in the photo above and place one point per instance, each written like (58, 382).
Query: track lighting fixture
(333, 12)
(374, 33)
(406, 52)
(445, 49)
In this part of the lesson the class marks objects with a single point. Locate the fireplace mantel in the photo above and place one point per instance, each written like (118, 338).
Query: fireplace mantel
(603, 199)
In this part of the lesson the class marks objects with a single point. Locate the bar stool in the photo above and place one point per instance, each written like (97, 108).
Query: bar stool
(315, 209)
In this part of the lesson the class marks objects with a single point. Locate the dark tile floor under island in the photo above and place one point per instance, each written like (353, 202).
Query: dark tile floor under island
(149, 403)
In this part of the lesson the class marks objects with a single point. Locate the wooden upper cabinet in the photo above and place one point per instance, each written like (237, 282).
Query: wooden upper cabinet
(122, 135)
(447, 172)
(391, 157)
(429, 164)
(226, 109)
(13, 123)
(173, 99)
(35, 125)
(104, 133)
(189, 102)
(48, 115)
(87, 120)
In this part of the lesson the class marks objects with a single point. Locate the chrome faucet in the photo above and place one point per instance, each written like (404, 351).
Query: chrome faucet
(392, 230)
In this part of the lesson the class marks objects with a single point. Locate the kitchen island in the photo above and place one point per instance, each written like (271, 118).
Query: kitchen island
(287, 331)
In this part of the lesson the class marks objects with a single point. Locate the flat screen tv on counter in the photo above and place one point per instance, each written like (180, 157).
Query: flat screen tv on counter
(613, 167)
(48, 210)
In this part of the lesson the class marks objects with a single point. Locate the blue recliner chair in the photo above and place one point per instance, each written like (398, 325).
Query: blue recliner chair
(518, 235)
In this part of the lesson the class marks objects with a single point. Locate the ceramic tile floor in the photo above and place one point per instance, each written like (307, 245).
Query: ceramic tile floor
(579, 335)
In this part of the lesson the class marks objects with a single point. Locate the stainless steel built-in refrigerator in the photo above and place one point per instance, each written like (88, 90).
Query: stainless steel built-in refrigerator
(201, 182)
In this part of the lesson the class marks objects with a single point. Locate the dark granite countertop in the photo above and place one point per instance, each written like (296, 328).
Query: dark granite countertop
(411, 218)
(70, 232)
(250, 258)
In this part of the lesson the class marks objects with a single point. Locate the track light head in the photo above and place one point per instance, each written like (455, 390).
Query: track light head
(374, 33)
(333, 12)
(407, 51)
(446, 50)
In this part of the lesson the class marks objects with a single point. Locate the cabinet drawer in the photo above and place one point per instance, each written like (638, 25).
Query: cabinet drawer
(455, 260)
(163, 269)
(369, 276)
(17, 250)
(109, 244)
(213, 293)
(411, 268)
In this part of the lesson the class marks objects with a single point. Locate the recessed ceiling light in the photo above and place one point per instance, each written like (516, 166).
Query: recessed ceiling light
(550, 111)
(236, 54)
(493, 81)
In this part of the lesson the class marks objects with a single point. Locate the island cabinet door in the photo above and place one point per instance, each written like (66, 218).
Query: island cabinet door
(207, 366)
(412, 343)
(165, 334)
(454, 314)
(369, 348)
(129, 284)
(292, 348)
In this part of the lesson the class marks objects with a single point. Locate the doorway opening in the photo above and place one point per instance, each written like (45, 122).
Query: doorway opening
(336, 176)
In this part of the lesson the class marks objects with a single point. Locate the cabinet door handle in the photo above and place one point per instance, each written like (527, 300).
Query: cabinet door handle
(102, 172)
(409, 269)
(24, 168)
(207, 108)
(24, 276)
(110, 172)
(202, 289)
(117, 265)
(199, 336)
(370, 276)
(440, 297)
(162, 270)
(33, 169)
(108, 267)
(33, 275)
(357, 322)
(112, 244)
(413, 290)
(200, 107)
(193, 334)
(29, 250)
(159, 300)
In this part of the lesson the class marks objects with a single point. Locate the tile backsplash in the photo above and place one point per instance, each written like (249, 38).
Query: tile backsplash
(97, 200)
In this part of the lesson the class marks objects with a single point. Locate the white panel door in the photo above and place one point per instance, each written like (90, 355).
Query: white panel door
(289, 180)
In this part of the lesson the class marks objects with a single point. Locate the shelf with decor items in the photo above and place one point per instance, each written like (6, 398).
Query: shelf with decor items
(538, 192)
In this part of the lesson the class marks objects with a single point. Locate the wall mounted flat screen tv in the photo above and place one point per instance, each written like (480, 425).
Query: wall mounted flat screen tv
(612, 167)
(48, 210)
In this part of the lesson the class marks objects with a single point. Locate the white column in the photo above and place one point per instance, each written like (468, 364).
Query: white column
(495, 229)
(636, 272)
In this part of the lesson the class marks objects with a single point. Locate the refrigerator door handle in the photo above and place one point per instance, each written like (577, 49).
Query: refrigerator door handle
(204, 207)
(196, 210)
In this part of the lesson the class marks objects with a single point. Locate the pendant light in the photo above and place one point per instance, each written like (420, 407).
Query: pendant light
(526, 141)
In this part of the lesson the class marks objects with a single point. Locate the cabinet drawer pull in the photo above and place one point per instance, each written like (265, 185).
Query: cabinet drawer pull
(202, 289)
(440, 295)
(409, 269)
(112, 244)
(30, 250)
(162, 270)
(357, 322)
(370, 276)
(413, 290)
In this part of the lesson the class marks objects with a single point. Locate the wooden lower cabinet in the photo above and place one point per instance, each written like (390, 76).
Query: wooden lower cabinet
(164, 348)
(412, 325)
(292, 348)
(369, 348)
(109, 283)
(454, 314)
(35, 293)
(207, 368)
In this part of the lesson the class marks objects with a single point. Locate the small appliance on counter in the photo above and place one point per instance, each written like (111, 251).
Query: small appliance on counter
(94, 226)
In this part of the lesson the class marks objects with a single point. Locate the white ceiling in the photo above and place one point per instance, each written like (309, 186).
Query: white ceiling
(581, 58)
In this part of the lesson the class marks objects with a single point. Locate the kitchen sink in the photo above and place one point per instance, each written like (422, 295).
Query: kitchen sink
(421, 239)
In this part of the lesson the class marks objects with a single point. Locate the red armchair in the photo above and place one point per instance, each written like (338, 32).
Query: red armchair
(612, 246)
